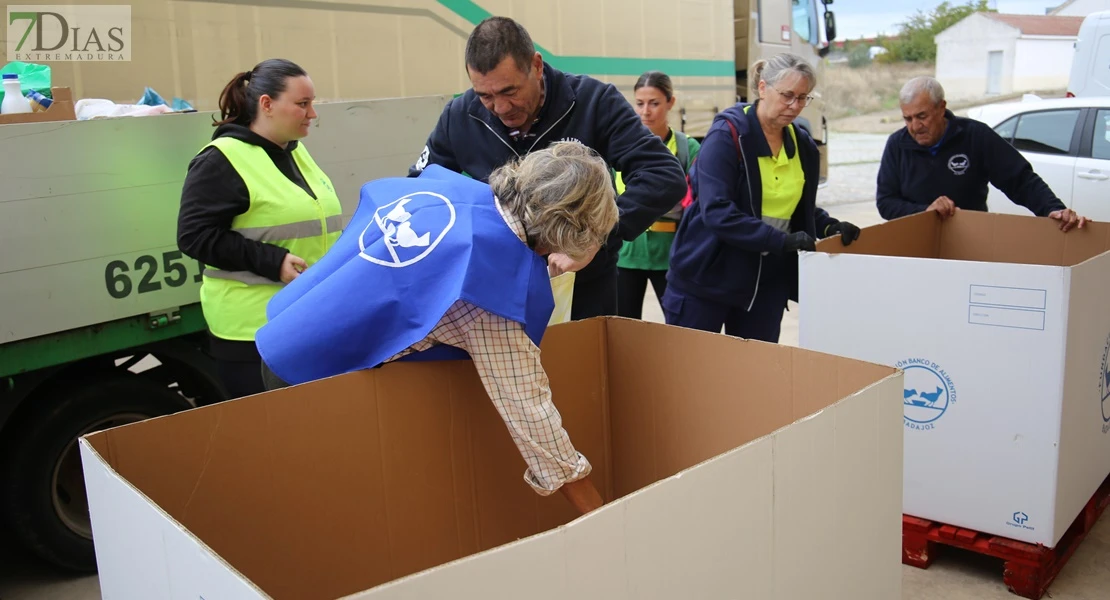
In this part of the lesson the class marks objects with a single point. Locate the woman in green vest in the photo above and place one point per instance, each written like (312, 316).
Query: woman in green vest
(646, 258)
(256, 210)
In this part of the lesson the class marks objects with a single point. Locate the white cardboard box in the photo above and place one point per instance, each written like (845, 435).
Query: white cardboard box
(732, 469)
(1002, 326)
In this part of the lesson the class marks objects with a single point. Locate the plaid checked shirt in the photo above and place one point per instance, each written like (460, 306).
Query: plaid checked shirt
(509, 366)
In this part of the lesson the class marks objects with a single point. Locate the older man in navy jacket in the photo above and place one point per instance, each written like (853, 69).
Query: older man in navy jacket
(941, 162)
(519, 104)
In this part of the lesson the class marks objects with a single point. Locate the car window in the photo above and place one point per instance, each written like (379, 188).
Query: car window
(1047, 132)
(1101, 146)
(1006, 128)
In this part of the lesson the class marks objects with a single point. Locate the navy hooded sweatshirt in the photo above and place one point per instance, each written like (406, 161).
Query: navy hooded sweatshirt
(968, 156)
(722, 243)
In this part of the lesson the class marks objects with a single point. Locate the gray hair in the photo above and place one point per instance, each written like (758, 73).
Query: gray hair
(563, 194)
(780, 66)
(917, 85)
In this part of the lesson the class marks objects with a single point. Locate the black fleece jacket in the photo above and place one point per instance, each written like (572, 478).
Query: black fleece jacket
(214, 194)
(969, 156)
(469, 139)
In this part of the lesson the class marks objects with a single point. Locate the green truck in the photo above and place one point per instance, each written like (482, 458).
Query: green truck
(100, 323)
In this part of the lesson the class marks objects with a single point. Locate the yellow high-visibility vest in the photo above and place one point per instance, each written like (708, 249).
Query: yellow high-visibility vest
(281, 213)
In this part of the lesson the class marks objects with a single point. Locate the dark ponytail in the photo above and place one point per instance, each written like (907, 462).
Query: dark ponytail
(658, 80)
(239, 100)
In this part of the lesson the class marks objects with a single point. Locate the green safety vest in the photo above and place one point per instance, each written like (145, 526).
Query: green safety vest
(280, 213)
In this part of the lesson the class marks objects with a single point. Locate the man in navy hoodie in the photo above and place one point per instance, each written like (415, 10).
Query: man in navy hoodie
(519, 104)
(941, 162)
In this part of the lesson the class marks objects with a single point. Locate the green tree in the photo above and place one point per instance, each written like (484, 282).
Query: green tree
(915, 36)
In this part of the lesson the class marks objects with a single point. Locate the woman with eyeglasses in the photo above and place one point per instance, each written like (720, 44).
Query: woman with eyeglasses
(734, 260)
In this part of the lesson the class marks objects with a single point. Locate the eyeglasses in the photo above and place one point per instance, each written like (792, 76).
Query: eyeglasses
(789, 98)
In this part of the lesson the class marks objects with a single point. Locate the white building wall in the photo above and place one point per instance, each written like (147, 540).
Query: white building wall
(962, 52)
(1042, 64)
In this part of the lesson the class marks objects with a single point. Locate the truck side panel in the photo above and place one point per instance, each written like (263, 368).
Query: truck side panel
(360, 49)
(88, 212)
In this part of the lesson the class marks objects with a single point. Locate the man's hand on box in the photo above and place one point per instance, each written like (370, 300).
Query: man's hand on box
(1068, 219)
(944, 206)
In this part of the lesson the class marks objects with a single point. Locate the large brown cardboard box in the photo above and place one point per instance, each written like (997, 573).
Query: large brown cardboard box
(731, 469)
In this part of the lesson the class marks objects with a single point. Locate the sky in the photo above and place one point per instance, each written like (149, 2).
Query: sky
(867, 18)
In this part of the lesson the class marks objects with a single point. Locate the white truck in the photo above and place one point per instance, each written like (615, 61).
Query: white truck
(100, 323)
(1090, 65)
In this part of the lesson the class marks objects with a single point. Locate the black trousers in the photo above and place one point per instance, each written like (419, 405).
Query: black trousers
(238, 366)
(760, 321)
(763, 322)
(270, 380)
(631, 287)
(241, 377)
(595, 294)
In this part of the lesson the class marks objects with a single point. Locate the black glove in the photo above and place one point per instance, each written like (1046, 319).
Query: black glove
(848, 232)
(799, 240)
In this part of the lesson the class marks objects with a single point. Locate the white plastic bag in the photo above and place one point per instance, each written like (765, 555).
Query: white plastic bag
(99, 108)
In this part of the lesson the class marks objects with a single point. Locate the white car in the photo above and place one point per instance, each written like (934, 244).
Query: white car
(1067, 140)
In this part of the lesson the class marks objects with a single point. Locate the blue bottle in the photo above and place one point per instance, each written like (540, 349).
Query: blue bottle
(39, 103)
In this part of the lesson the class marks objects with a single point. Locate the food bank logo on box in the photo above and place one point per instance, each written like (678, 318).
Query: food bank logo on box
(69, 33)
(1104, 385)
(928, 393)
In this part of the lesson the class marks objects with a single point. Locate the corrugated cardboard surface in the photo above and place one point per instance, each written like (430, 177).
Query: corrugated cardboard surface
(977, 236)
(341, 485)
(917, 236)
(142, 553)
(797, 514)
(1017, 239)
(700, 395)
(992, 306)
(1085, 422)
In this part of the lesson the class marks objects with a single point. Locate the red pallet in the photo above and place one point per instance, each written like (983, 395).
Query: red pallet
(1029, 568)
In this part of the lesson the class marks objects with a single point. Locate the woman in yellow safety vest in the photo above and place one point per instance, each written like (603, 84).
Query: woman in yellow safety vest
(256, 210)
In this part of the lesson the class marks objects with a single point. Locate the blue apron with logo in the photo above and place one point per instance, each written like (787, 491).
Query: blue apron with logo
(414, 247)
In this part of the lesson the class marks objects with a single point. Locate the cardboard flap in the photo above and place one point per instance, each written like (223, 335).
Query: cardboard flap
(1019, 239)
(915, 236)
(679, 397)
(978, 236)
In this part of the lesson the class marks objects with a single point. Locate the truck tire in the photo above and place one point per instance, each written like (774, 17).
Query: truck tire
(45, 493)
